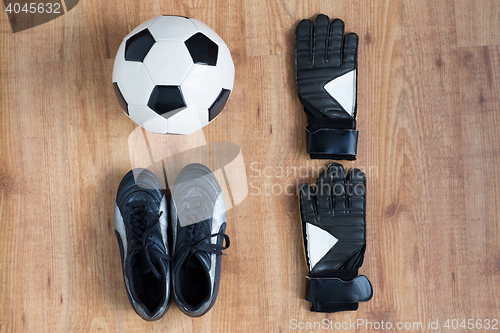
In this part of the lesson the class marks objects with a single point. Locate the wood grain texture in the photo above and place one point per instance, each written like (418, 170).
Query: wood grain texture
(381, 97)
(272, 29)
(434, 224)
(480, 108)
(477, 22)
(429, 112)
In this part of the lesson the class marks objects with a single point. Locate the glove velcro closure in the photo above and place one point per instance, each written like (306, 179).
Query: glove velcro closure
(331, 143)
(331, 294)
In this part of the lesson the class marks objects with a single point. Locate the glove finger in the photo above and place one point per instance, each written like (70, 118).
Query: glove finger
(320, 38)
(303, 40)
(335, 40)
(356, 190)
(323, 194)
(307, 203)
(351, 50)
(339, 199)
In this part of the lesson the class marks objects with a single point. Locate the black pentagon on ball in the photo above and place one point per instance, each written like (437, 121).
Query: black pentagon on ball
(218, 105)
(138, 46)
(164, 99)
(121, 100)
(202, 49)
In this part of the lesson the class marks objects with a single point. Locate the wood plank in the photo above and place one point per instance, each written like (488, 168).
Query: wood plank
(477, 22)
(68, 115)
(23, 185)
(480, 107)
(278, 125)
(232, 126)
(381, 154)
(434, 225)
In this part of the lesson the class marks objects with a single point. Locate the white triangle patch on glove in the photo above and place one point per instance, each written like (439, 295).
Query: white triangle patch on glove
(343, 90)
(323, 242)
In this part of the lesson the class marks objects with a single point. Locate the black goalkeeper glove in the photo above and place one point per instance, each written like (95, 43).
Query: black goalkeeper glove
(334, 233)
(325, 72)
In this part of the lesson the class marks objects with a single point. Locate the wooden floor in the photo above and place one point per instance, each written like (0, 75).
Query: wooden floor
(429, 119)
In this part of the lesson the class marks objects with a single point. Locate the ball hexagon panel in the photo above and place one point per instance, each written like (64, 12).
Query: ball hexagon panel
(166, 99)
(207, 31)
(119, 60)
(168, 63)
(175, 28)
(141, 27)
(187, 121)
(202, 49)
(134, 83)
(201, 86)
(225, 68)
(148, 119)
(138, 46)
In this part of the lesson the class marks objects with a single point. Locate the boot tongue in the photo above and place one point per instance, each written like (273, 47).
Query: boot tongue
(142, 263)
(198, 259)
(203, 258)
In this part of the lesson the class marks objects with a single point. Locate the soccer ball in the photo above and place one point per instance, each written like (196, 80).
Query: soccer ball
(173, 74)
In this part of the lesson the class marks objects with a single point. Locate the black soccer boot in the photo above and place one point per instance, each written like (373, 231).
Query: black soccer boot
(198, 225)
(141, 230)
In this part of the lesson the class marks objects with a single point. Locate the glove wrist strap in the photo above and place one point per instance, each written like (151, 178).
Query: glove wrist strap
(330, 143)
(331, 294)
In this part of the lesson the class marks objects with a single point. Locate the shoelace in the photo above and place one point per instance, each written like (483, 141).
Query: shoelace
(199, 245)
(143, 222)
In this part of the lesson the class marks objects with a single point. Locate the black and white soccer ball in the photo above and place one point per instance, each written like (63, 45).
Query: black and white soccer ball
(173, 74)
